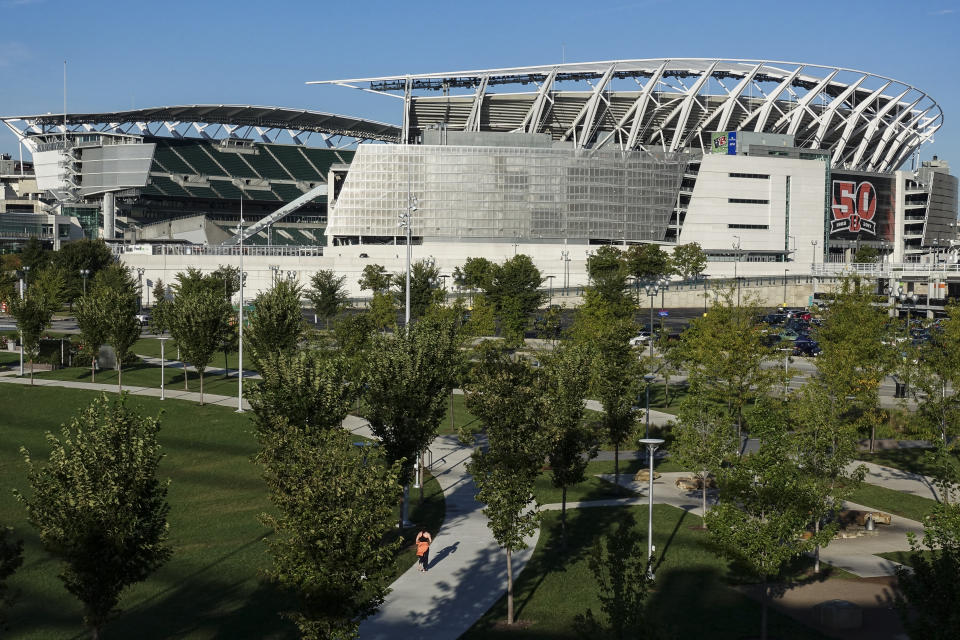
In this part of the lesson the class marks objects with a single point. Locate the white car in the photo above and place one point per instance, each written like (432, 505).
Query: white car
(641, 338)
(144, 318)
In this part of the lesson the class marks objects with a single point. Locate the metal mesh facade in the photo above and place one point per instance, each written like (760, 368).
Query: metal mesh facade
(508, 193)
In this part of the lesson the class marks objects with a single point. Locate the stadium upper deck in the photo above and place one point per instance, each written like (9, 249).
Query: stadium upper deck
(868, 122)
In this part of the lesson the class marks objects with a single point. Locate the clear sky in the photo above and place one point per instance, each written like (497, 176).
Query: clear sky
(135, 53)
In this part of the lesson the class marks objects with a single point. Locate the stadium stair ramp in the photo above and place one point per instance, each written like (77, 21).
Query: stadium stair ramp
(279, 214)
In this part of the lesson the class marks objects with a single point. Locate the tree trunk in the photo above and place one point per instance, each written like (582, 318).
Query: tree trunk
(763, 610)
(563, 518)
(616, 465)
(422, 477)
(201, 387)
(703, 497)
(509, 588)
(226, 365)
(119, 375)
(93, 369)
(95, 633)
(453, 422)
(873, 433)
(186, 387)
(31, 371)
(816, 549)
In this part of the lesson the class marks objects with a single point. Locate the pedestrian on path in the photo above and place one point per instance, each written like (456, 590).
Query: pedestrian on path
(423, 548)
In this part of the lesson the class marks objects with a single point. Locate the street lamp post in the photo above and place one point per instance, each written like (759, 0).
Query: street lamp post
(243, 277)
(550, 278)
(785, 272)
(565, 255)
(653, 288)
(405, 218)
(163, 340)
(704, 293)
(140, 271)
(84, 273)
(651, 444)
(736, 263)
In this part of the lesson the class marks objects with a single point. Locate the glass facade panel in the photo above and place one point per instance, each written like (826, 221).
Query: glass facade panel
(509, 193)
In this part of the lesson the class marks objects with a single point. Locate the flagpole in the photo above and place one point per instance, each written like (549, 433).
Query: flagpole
(240, 316)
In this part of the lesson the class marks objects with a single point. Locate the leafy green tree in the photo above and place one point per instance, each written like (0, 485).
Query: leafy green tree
(228, 278)
(476, 274)
(92, 255)
(506, 397)
(483, 316)
(114, 298)
(723, 353)
(161, 305)
(11, 557)
(98, 506)
(276, 324)
(703, 442)
(607, 270)
(825, 445)
(35, 255)
(383, 312)
(866, 255)
(856, 355)
(333, 510)
(688, 260)
(197, 320)
(35, 309)
(765, 506)
(327, 294)
(929, 590)
(514, 291)
(570, 443)
(93, 328)
(647, 262)
(623, 577)
(374, 278)
(408, 378)
(616, 374)
(424, 288)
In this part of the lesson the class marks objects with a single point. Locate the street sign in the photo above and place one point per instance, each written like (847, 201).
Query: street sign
(663, 313)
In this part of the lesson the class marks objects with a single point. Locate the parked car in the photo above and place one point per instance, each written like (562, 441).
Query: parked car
(144, 318)
(806, 347)
(641, 338)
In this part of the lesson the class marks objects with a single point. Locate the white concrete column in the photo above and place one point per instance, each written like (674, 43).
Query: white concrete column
(109, 216)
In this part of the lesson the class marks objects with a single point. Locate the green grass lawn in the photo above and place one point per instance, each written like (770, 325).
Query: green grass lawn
(9, 358)
(145, 375)
(895, 502)
(151, 347)
(462, 418)
(906, 557)
(592, 488)
(211, 588)
(913, 460)
(691, 593)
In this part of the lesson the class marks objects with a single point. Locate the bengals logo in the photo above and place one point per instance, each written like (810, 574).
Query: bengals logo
(854, 206)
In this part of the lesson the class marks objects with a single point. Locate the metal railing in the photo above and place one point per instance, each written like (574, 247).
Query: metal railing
(213, 250)
(886, 269)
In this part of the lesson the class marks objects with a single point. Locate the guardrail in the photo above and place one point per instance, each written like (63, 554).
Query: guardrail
(886, 269)
(213, 250)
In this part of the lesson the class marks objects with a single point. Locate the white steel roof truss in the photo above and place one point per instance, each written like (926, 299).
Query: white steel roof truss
(473, 120)
(532, 121)
(900, 140)
(686, 106)
(872, 125)
(171, 128)
(635, 113)
(725, 110)
(803, 105)
(588, 112)
(826, 116)
(892, 127)
(853, 119)
(201, 130)
(763, 111)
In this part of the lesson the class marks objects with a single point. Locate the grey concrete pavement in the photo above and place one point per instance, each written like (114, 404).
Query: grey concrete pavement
(898, 480)
(467, 572)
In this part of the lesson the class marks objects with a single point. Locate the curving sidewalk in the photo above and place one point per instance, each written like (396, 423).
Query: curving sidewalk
(467, 567)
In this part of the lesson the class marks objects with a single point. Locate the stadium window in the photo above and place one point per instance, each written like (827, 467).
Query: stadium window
(757, 176)
(747, 226)
(746, 201)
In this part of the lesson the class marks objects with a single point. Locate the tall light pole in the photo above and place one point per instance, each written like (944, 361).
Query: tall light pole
(240, 317)
(84, 273)
(736, 262)
(653, 288)
(550, 278)
(651, 444)
(704, 293)
(565, 256)
(405, 218)
(163, 339)
(785, 272)
(140, 271)
(23, 294)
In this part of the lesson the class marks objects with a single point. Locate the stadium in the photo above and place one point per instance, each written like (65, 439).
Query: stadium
(767, 165)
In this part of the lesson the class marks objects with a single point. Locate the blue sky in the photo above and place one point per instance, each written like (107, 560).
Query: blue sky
(162, 53)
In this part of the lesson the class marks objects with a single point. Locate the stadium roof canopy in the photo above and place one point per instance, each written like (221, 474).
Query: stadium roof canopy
(867, 121)
(247, 121)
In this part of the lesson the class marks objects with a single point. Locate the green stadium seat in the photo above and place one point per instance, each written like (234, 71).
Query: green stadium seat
(169, 187)
(323, 159)
(196, 155)
(233, 163)
(226, 190)
(286, 192)
(166, 160)
(265, 165)
(295, 162)
(202, 192)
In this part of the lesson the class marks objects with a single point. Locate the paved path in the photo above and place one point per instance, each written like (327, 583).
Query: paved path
(467, 568)
(898, 480)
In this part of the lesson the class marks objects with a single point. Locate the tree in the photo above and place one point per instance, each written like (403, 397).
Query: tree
(505, 396)
(866, 255)
(723, 353)
(616, 374)
(764, 509)
(514, 291)
(929, 590)
(35, 309)
(34, 255)
(688, 260)
(93, 328)
(483, 317)
(115, 293)
(825, 445)
(11, 557)
(327, 294)
(408, 377)
(383, 312)
(374, 278)
(197, 320)
(702, 442)
(647, 261)
(276, 324)
(98, 506)
(570, 443)
(618, 564)
(161, 305)
(424, 288)
(476, 274)
(333, 512)
(92, 255)
(855, 353)
(607, 270)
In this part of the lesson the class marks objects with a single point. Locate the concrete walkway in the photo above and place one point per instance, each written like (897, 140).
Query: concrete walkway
(898, 480)
(468, 570)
